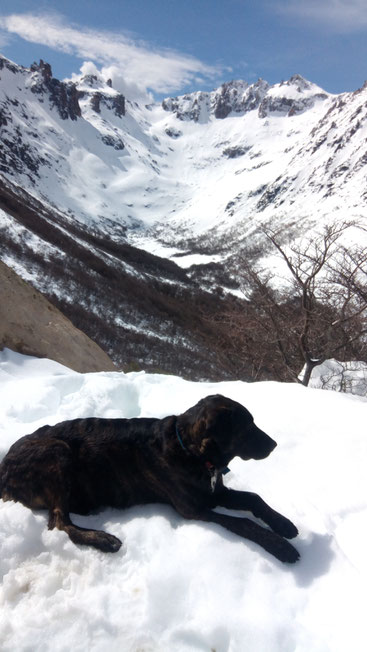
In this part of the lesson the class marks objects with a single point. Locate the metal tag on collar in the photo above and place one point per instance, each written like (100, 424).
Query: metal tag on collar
(213, 479)
(213, 474)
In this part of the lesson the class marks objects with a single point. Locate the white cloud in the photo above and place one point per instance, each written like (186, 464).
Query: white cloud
(161, 70)
(4, 39)
(119, 82)
(338, 15)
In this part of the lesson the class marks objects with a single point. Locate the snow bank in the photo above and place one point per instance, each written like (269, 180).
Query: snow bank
(177, 586)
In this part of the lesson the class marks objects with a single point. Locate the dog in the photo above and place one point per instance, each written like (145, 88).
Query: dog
(84, 465)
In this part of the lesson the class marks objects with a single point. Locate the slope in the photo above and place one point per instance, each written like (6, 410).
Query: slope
(143, 310)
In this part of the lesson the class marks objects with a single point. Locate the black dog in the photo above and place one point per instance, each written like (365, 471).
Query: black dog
(85, 464)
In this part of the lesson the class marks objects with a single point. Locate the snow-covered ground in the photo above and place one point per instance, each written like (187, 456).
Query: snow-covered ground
(179, 586)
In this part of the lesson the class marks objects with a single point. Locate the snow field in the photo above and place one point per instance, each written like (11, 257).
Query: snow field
(179, 586)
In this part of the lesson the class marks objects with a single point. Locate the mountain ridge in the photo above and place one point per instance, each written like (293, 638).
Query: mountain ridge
(153, 163)
(165, 198)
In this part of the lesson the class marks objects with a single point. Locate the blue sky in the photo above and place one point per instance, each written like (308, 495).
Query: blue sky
(174, 46)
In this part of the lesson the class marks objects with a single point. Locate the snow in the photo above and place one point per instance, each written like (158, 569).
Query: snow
(183, 260)
(179, 586)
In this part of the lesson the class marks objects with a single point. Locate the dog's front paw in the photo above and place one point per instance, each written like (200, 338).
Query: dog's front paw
(279, 547)
(283, 526)
(285, 552)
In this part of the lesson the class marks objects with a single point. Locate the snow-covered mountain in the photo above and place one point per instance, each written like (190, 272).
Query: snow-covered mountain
(191, 179)
(222, 160)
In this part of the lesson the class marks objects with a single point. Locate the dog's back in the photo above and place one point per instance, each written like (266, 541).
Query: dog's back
(98, 461)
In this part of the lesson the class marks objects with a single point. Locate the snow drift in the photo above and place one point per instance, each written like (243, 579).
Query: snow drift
(176, 585)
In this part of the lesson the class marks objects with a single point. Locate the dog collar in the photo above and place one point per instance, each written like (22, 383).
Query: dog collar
(180, 440)
(208, 464)
(223, 469)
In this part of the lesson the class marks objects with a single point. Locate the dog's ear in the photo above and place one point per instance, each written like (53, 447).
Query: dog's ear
(200, 427)
(204, 445)
(211, 431)
(209, 449)
(212, 419)
(219, 422)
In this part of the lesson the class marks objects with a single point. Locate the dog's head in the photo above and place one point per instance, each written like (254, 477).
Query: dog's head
(218, 429)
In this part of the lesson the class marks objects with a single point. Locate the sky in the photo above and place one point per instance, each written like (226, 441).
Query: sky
(170, 47)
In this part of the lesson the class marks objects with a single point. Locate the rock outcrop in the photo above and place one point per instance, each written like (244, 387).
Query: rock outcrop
(30, 324)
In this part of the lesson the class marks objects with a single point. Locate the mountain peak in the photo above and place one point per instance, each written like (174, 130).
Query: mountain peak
(299, 81)
(44, 69)
(238, 97)
(62, 95)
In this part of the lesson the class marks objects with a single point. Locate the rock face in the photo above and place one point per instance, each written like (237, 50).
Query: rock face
(64, 96)
(91, 86)
(27, 151)
(31, 325)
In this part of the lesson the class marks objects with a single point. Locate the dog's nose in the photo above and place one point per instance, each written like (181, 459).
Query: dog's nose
(264, 445)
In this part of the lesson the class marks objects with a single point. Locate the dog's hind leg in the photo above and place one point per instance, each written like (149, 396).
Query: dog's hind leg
(39, 472)
(59, 518)
(58, 490)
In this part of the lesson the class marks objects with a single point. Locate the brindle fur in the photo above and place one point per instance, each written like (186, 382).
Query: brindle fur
(87, 464)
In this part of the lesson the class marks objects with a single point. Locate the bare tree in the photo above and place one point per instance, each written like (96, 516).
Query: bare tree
(315, 311)
(350, 377)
